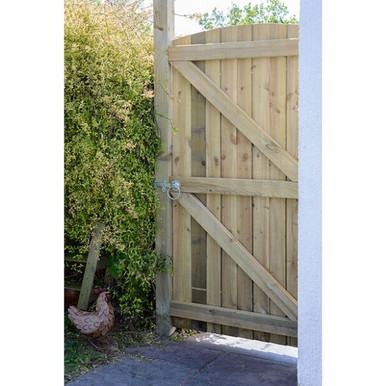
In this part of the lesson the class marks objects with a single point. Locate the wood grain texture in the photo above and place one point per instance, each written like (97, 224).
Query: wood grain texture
(182, 164)
(244, 170)
(277, 129)
(240, 255)
(245, 49)
(213, 169)
(238, 117)
(241, 319)
(198, 134)
(238, 186)
(163, 35)
(260, 102)
(228, 169)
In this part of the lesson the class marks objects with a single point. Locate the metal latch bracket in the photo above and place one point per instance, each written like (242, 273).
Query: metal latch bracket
(168, 186)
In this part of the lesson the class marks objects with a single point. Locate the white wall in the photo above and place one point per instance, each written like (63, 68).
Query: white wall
(310, 194)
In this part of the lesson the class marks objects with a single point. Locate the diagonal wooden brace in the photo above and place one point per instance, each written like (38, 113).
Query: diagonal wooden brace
(239, 118)
(247, 262)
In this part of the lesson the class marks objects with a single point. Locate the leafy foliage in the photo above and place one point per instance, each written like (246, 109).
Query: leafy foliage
(273, 12)
(111, 143)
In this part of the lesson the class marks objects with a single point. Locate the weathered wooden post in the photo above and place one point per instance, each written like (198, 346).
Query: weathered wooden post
(91, 266)
(163, 35)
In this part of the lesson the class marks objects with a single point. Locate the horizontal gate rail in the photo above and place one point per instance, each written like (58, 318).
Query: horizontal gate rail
(236, 318)
(238, 186)
(239, 118)
(247, 262)
(235, 50)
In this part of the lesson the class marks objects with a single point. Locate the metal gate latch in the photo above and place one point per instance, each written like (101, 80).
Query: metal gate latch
(174, 186)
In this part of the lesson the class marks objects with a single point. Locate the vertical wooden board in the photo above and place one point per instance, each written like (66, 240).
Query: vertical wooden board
(261, 209)
(182, 264)
(198, 170)
(163, 35)
(277, 129)
(213, 169)
(198, 233)
(229, 169)
(244, 170)
(292, 148)
(198, 238)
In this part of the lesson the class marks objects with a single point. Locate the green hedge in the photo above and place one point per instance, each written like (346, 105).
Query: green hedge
(111, 144)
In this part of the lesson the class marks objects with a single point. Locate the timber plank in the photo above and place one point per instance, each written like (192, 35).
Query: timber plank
(260, 98)
(238, 318)
(260, 275)
(229, 169)
(244, 170)
(277, 129)
(182, 262)
(230, 50)
(198, 162)
(238, 186)
(238, 117)
(213, 169)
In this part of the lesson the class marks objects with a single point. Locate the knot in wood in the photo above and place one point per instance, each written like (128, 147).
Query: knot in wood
(273, 148)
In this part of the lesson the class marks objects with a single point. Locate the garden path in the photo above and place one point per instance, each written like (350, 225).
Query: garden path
(203, 359)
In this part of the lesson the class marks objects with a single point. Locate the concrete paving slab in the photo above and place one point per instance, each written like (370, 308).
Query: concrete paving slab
(193, 357)
(255, 348)
(135, 372)
(236, 369)
(203, 359)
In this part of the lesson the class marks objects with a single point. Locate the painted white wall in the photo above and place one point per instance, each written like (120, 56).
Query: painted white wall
(310, 194)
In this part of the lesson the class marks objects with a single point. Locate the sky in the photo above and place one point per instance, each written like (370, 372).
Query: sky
(185, 26)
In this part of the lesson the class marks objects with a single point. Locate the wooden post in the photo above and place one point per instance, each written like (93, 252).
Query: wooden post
(163, 35)
(92, 261)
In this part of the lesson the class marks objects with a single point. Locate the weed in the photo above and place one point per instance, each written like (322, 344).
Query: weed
(180, 335)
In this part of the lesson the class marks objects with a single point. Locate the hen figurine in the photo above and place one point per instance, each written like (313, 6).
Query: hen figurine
(97, 323)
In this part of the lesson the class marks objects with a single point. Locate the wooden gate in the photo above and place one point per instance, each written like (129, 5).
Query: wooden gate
(234, 97)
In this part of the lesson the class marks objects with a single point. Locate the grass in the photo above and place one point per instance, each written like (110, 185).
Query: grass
(82, 354)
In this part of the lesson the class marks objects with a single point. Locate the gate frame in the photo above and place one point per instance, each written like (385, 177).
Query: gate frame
(163, 35)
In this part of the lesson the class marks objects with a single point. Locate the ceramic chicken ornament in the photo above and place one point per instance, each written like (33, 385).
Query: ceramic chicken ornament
(97, 323)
